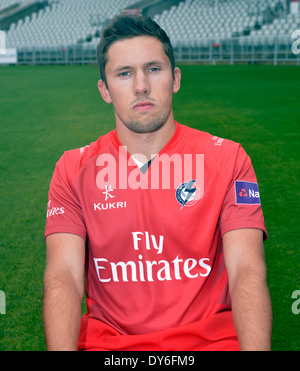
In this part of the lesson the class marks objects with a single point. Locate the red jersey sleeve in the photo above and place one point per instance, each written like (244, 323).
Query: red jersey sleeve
(64, 213)
(242, 206)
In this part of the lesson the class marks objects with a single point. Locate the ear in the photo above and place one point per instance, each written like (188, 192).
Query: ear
(177, 79)
(104, 91)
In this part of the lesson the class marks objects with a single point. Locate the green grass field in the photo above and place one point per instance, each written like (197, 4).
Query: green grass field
(48, 109)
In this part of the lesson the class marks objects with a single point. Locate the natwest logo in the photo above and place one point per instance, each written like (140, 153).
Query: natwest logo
(246, 193)
(243, 193)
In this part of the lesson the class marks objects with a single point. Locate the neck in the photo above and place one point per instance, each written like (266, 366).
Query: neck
(145, 145)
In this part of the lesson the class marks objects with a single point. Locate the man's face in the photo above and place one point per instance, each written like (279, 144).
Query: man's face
(140, 84)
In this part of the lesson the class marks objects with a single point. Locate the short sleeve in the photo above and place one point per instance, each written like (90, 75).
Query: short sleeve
(242, 206)
(64, 213)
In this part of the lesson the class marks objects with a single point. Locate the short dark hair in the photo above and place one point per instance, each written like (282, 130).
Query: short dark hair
(126, 27)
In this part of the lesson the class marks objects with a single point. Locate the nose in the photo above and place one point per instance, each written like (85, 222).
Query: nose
(141, 86)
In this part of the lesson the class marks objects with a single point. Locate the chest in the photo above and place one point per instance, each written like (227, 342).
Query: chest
(175, 204)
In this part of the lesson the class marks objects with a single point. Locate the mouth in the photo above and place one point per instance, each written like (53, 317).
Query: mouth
(143, 106)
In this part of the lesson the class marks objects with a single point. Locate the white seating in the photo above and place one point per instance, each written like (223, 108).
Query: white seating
(208, 18)
(63, 23)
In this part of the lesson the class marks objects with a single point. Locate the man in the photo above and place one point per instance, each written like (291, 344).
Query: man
(166, 221)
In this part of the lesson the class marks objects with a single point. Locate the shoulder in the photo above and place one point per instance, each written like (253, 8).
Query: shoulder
(220, 154)
(209, 143)
(72, 161)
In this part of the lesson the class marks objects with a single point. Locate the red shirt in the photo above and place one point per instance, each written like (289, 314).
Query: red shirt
(154, 241)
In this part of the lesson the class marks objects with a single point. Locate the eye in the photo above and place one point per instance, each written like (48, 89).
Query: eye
(154, 69)
(124, 74)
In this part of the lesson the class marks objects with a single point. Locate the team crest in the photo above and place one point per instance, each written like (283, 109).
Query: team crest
(187, 194)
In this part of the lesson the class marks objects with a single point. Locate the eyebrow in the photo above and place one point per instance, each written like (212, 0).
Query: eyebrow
(146, 65)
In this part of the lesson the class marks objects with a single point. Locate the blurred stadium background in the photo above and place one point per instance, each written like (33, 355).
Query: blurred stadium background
(241, 81)
(67, 31)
